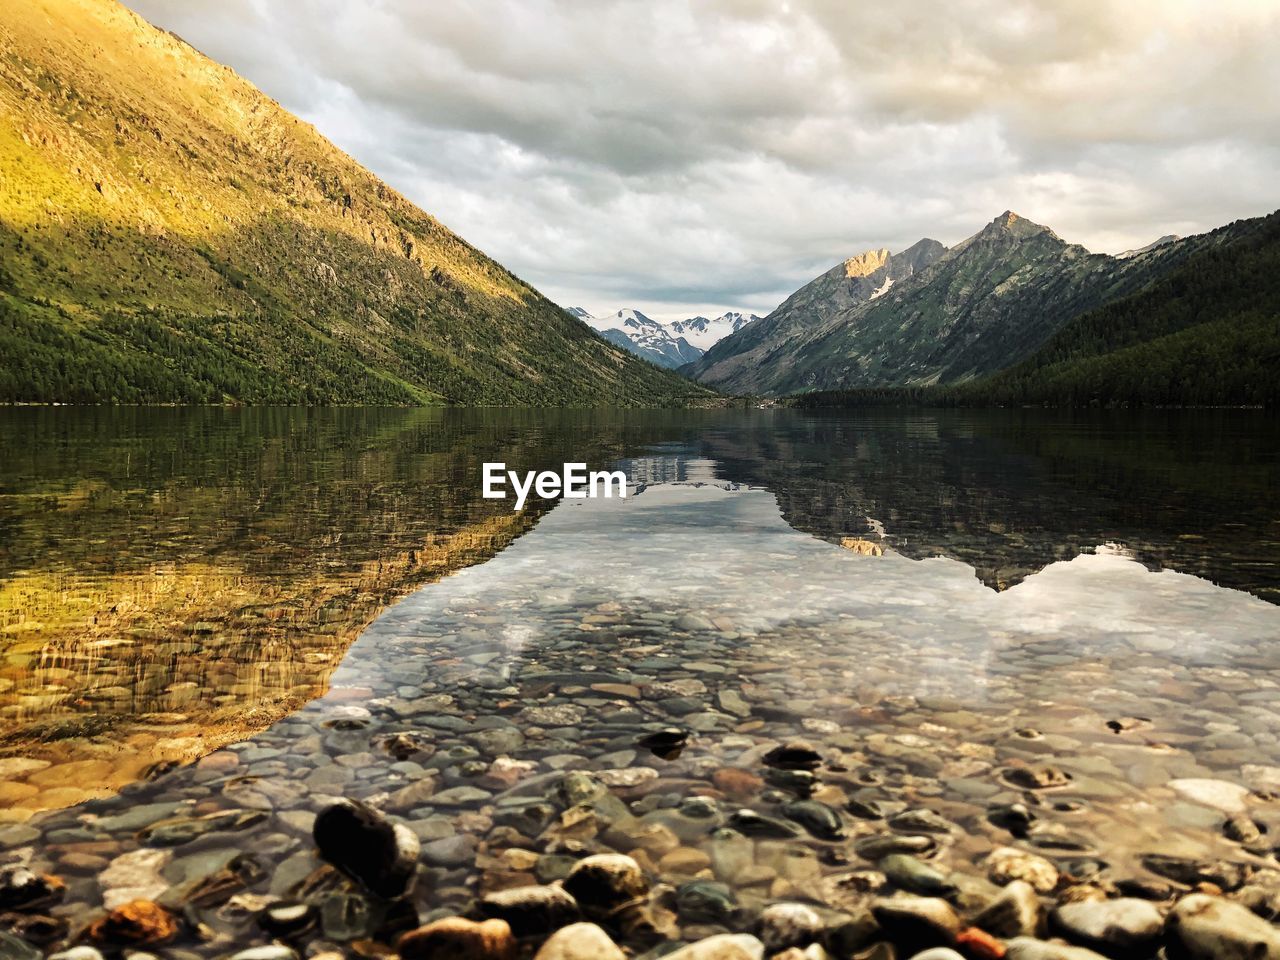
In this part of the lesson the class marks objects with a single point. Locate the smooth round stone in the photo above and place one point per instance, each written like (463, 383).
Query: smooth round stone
(604, 882)
(1210, 928)
(77, 953)
(1007, 864)
(272, 952)
(1219, 794)
(455, 938)
(362, 842)
(1017, 912)
(723, 946)
(784, 925)
(915, 876)
(1119, 927)
(532, 910)
(705, 901)
(1029, 948)
(580, 941)
(918, 922)
(454, 851)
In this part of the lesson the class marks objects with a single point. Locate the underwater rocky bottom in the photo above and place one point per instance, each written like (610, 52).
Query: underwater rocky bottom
(672, 725)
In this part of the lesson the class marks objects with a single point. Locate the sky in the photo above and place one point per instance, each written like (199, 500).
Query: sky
(689, 157)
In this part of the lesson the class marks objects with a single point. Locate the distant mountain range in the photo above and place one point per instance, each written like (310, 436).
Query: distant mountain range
(170, 234)
(669, 345)
(932, 315)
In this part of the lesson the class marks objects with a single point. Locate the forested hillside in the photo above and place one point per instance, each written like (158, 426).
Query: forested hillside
(1206, 334)
(170, 234)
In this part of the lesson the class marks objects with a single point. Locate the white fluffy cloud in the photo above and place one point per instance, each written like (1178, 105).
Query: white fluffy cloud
(687, 157)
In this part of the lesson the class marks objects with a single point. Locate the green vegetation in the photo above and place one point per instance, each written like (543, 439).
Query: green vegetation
(169, 234)
(1205, 334)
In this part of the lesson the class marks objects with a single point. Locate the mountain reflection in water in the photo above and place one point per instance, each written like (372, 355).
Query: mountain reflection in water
(173, 580)
(618, 678)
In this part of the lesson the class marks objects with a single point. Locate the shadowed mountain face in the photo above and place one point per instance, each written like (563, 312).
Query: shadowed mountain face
(168, 233)
(978, 307)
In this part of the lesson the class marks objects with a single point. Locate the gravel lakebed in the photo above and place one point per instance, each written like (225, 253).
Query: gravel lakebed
(672, 725)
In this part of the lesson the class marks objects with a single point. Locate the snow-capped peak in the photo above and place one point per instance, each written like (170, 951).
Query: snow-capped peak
(703, 333)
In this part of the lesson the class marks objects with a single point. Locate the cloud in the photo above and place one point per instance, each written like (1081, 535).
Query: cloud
(687, 157)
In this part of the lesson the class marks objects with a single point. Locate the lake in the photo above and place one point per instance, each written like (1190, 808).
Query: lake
(802, 642)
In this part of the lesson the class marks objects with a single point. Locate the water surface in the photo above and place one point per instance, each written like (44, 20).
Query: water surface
(1071, 613)
(171, 580)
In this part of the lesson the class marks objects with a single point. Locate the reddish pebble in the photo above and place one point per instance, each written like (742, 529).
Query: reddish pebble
(979, 944)
(456, 938)
(739, 784)
(138, 922)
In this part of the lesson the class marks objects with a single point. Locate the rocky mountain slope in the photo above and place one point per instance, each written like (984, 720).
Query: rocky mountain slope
(168, 233)
(979, 307)
(1206, 334)
(1159, 242)
(740, 361)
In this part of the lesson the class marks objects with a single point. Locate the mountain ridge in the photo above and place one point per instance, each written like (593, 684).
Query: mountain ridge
(171, 234)
(980, 306)
(853, 281)
(671, 345)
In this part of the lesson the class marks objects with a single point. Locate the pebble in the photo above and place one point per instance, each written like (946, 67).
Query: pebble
(724, 946)
(1219, 794)
(784, 925)
(915, 876)
(1007, 864)
(1121, 927)
(579, 941)
(1027, 948)
(1210, 928)
(603, 883)
(138, 923)
(361, 842)
(532, 910)
(456, 938)
(705, 901)
(1016, 912)
(917, 922)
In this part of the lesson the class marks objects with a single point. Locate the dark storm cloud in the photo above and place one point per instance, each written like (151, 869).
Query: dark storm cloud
(684, 157)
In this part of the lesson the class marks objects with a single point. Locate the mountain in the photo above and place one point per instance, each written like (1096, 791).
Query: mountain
(1167, 238)
(983, 305)
(1207, 333)
(704, 333)
(168, 233)
(738, 361)
(647, 338)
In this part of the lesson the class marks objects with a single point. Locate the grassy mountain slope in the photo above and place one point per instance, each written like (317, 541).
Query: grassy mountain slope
(168, 233)
(1206, 334)
(989, 302)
